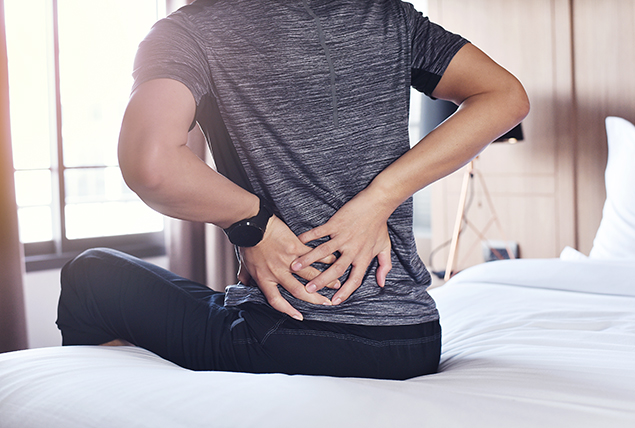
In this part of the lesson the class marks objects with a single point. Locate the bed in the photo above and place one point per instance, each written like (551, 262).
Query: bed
(527, 343)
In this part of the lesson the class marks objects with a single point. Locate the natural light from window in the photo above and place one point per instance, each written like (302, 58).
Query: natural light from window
(97, 44)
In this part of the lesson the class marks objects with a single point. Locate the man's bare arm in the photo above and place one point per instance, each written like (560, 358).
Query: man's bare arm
(169, 177)
(491, 101)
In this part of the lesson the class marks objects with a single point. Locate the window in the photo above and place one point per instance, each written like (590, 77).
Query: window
(421, 199)
(70, 64)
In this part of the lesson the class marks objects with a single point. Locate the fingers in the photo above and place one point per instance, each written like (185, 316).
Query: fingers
(313, 234)
(328, 260)
(385, 266)
(321, 252)
(330, 275)
(298, 291)
(302, 267)
(357, 247)
(352, 283)
(279, 303)
(359, 265)
(311, 273)
(267, 264)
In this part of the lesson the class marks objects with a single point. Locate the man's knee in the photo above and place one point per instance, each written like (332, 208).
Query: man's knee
(82, 289)
(82, 277)
(88, 264)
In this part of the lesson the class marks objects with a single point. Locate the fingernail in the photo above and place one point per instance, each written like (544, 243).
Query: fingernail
(328, 303)
(337, 301)
(296, 266)
(311, 288)
(297, 317)
(337, 285)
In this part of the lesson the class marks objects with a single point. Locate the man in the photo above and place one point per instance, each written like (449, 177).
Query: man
(305, 105)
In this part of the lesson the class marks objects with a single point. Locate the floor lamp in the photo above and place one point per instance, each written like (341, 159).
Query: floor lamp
(512, 137)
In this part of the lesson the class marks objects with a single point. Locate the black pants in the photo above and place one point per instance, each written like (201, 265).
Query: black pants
(109, 295)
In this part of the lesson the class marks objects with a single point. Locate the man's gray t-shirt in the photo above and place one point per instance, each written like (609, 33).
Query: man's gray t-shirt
(314, 96)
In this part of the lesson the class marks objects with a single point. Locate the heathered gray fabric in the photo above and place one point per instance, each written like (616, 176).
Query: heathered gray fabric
(315, 96)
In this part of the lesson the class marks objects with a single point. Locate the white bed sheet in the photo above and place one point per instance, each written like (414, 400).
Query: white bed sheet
(521, 355)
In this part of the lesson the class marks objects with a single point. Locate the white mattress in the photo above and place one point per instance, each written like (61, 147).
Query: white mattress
(527, 343)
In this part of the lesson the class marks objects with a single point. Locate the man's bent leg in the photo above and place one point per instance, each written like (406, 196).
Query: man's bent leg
(108, 295)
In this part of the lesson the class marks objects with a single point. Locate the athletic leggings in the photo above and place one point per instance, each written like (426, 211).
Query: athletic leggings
(109, 295)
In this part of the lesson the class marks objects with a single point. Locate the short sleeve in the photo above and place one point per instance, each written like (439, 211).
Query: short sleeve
(171, 51)
(433, 48)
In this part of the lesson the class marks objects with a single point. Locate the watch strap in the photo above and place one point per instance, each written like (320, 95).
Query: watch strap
(255, 225)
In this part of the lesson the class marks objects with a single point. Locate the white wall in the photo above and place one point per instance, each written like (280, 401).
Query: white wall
(420, 5)
(41, 292)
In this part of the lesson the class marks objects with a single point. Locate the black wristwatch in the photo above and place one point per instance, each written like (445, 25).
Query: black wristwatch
(249, 232)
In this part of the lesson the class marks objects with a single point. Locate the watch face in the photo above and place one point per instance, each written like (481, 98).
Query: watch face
(246, 235)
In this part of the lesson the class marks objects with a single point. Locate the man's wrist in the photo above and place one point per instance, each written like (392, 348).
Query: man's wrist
(250, 231)
(383, 196)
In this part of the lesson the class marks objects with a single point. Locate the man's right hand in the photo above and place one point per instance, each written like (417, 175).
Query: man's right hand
(268, 263)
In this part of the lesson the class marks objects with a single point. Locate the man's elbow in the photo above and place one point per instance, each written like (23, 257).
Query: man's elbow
(519, 104)
(139, 170)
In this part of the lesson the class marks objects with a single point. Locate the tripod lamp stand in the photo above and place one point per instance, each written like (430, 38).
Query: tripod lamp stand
(471, 174)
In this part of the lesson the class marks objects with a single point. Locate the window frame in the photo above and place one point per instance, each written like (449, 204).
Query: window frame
(55, 253)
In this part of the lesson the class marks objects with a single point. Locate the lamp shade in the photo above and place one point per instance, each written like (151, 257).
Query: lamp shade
(514, 135)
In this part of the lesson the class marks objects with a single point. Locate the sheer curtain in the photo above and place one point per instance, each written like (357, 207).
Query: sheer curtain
(12, 311)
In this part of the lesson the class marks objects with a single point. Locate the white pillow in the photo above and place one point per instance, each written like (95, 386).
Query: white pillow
(571, 255)
(615, 238)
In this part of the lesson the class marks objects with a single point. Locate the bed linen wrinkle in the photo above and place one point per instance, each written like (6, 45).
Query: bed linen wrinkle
(535, 353)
